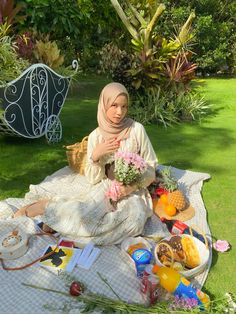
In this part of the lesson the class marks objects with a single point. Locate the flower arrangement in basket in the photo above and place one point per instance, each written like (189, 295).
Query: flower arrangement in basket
(129, 168)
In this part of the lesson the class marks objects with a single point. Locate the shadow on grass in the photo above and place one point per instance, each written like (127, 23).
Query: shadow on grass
(25, 162)
(183, 146)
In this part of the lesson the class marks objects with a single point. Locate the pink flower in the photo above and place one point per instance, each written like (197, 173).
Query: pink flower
(221, 245)
(114, 192)
(129, 168)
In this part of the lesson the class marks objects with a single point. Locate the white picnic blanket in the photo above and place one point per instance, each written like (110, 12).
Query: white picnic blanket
(113, 263)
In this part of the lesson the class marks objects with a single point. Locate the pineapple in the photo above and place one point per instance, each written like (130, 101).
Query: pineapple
(177, 199)
(175, 196)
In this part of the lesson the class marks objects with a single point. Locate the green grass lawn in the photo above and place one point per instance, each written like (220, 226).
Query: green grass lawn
(206, 147)
(210, 147)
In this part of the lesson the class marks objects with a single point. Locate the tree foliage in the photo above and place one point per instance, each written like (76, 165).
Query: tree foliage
(80, 27)
(214, 31)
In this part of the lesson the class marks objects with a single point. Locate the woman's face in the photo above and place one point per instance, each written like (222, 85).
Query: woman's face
(118, 109)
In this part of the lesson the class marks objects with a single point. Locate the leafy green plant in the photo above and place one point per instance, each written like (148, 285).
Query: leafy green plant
(115, 62)
(168, 108)
(11, 66)
(4, 29)
(191, 106)
(152, 107)
(80, 27)
(110, 57)
(214, 31)
(48, 52)
(157, 61)
(180, 70)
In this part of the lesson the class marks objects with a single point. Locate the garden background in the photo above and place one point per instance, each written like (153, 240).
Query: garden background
(194, 99)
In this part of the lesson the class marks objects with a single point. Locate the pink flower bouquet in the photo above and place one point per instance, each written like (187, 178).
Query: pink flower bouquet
(129, 168)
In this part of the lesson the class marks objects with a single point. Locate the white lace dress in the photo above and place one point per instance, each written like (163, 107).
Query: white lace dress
(88, 215)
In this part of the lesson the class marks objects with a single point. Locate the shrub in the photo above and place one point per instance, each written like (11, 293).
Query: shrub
(48, 52)
(25, 45)
(168, 108)
(11, 66)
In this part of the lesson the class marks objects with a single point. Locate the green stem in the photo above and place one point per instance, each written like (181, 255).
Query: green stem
(107, 283)
(46, 289)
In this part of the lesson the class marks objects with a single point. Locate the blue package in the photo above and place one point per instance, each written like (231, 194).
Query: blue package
(141, 257)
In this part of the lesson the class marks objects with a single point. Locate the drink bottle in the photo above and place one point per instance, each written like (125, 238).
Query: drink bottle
(177, 227)
(174, 283)
(150, 284)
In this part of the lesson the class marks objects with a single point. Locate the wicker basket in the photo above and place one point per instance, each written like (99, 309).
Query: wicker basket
(203, 251)
(77, 155)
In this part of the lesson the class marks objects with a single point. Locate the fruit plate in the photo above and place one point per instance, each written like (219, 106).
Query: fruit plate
(184, 215)
(203, 253)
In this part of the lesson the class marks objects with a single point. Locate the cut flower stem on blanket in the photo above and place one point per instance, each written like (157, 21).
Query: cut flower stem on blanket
(106, 305)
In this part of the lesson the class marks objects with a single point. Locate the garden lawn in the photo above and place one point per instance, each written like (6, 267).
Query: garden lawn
(206, 147)
(210, 147)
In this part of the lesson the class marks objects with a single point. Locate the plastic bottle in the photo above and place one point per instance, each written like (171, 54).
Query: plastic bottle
(150, 284)
(174, 283)
(177, 227)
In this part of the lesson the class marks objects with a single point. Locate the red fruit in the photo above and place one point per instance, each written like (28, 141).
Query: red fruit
(160, 191)
(76, 288)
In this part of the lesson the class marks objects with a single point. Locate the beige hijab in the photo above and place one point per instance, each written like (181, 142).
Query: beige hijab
(107, 128)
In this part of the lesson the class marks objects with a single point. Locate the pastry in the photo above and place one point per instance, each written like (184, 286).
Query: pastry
(191, 252)
(171, 249)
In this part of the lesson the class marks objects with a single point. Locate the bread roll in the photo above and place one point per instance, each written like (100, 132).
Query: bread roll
(191, 252)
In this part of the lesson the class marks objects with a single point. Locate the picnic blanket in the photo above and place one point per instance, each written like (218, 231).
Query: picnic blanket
(113, 263)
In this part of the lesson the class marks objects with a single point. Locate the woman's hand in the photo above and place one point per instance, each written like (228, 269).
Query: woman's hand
(104, 148)
(125, 190)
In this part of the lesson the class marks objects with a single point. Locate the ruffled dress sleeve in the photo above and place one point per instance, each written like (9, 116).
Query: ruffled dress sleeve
(94, 171)
(147, 152)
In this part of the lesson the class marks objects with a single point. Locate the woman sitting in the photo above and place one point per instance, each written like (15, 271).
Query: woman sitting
(94, 218)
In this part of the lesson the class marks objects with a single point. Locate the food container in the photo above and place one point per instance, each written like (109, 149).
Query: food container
(204, 255)
(138, 263)
(132, 241)
(142, 258)
(13, 243)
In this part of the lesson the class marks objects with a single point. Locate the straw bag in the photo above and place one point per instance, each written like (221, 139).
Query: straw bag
(77, 155)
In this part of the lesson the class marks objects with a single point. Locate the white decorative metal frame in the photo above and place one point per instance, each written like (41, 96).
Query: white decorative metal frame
(32, 103)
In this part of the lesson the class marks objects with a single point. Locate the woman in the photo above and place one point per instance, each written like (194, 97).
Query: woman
(93, 217)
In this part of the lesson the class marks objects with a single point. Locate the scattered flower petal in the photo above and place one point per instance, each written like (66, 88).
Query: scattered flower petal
(221, 246)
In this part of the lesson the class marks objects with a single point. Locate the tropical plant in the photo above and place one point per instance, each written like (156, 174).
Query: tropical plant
(48, 52)
(11, 66)
(214, 30)
(160, 69)
(151, 49)
(153, 107)
(110, 57)
(191, 106)
(9, 12)
(80, 27)
(4, 29)
(169, 108)
(25, 45)
(180, 70)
